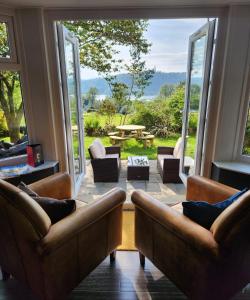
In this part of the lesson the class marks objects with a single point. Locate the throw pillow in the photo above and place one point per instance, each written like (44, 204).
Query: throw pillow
(55, 209)
(204, 213)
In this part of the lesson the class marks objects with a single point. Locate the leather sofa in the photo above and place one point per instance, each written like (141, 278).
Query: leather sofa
(105, 162)
(204, 264)
(53, 259)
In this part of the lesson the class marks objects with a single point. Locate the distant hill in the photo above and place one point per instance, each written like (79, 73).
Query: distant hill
(159, 79)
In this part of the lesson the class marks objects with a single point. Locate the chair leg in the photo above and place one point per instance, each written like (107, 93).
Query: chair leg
(142, 259)
(5, 275)
(112, 256)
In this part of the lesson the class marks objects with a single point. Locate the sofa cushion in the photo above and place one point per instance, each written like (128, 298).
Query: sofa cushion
(55, 209)
(204, 213)
(177, 149)
(115, 155)
(97, 149)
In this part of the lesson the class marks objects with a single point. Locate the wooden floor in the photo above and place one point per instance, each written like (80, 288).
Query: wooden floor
(123, 280)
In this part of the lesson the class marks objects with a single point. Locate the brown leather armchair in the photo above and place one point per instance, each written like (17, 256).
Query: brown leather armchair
(204, 264)
(53, 259)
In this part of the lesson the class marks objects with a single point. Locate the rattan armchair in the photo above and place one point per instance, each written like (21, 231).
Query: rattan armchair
(107, 169)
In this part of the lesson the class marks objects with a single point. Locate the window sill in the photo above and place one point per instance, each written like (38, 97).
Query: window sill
(236, 166)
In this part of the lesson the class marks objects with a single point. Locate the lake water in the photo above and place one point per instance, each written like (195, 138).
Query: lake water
(146, 98)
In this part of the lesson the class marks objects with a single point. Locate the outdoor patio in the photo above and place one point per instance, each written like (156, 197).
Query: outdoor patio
(167, 193)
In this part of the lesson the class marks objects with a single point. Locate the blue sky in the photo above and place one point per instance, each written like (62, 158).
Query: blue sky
(169, 48)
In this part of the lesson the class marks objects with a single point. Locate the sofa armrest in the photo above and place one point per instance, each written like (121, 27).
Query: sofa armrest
(165, 150)
(179, 225)
(113, 150)
(56, 186)
(69, 227)
(204, 189)
(171, 164)
(103, 163)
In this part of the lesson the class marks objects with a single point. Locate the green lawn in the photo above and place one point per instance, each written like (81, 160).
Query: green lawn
(133, 147)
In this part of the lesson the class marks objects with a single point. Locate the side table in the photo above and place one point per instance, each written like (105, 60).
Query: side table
(138, 168)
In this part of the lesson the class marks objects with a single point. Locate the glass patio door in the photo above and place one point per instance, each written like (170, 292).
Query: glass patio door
(196, 97)
(70, 76)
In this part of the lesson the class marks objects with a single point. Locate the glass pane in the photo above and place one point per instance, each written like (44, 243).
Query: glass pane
(4, 41)
(246, 143)
(13, 132)
(196, 79)
(73, 107)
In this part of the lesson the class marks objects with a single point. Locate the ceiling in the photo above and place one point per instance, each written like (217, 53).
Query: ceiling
(118, 3)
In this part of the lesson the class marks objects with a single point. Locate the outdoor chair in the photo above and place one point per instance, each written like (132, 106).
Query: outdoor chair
(52, 259)
(203, 263)
(168, 162)
(105, 162)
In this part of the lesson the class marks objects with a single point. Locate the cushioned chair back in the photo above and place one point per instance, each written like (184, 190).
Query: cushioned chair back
(177, 148)
(22, 223)
(97, 150)
(233, 224)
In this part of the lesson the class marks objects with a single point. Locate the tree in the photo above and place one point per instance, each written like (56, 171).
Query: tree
(90, 98)
(166, 90)
(11, 102)
(140, 78)
(107, 108)
(97, 43)
(140, 75)
(98, 38)
(176, 105)
(4, 45)
(10, 96)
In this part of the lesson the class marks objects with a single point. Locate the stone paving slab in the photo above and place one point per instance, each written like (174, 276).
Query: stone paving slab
(169, 193)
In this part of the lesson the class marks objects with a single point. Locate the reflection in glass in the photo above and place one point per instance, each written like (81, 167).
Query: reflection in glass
(195, 92)
(73, 107)
(246, 143)
(4, 41)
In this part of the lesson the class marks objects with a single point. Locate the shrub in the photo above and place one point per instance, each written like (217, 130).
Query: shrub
(193, 121)
(93, 128)
(161, 131)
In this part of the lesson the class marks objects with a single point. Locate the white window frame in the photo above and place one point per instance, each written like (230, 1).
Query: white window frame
(242, 117)
(13, 64)
(11, 40)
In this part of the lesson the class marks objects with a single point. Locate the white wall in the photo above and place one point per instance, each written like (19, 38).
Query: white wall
(37, 101)
(235, 64)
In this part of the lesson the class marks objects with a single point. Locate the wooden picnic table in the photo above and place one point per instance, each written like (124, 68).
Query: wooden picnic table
(124, 128)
